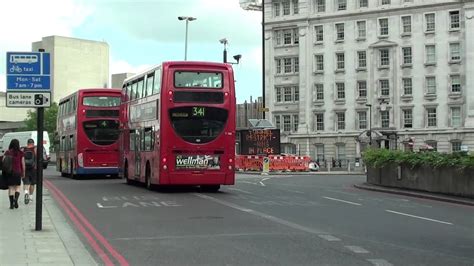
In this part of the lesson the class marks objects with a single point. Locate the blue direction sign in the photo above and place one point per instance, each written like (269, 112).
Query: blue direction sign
(28, 71)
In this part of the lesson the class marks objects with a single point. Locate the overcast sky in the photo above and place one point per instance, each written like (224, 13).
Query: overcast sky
(142, 33)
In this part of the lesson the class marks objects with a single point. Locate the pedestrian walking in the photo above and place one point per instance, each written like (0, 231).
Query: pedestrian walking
(13, 167)
(29, 181)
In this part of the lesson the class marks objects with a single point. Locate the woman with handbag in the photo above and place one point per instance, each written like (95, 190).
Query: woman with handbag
(13, 169)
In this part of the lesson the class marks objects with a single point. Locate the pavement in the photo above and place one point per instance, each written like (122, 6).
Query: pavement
(56, 244)
(418, 194)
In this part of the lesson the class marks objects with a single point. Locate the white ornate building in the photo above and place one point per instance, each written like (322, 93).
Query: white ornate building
(336, 68)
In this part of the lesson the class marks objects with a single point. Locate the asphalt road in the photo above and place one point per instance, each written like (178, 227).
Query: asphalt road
(272, 220)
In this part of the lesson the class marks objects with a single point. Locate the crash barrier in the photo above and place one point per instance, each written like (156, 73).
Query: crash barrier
(276, 163)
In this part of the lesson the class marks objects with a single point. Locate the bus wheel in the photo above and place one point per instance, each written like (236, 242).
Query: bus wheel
(210, 188)
(148, 176)
(125, 174)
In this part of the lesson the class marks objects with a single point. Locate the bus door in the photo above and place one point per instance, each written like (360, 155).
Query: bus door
(135, 151)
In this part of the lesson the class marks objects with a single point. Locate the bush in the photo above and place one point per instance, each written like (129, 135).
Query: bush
(379, 158)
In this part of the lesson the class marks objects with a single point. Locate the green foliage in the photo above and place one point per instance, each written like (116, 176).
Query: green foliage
(50, 116)
(378, 158)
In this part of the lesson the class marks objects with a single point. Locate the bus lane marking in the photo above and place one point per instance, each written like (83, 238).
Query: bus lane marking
(380, 262)
(240, 190)
(357, 249)
(419, 217)
(345, 201)
(329, 238)
(262, 215)
(111, 202)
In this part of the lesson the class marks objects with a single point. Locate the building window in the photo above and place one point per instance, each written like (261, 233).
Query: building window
(384, 57)
(340, 61)
(361, 29)
(456, 117)
(385, 2)
(320, 5)
(431, 116)
(340, 91)
(431, 85)
(384, 87)
(456, 145)
(455, 83)
(276, 9)
(362, 59)
(296, 121)
(454, 20)
(320, 122)
(341, 4)
(430, 54)
(296, 36)
(286, 7)
(340, 31)
(363, 3)
(288, 94)
(319, 32)
(407, 56)
(455, 51)
(383, 27)
(341, 121)
(362, 88)
(341, 151)
(385, 118)
(296, 8)
(406, 24)
(277, 122)
(278, 94)
(287, 123)
(362, 119)
(287, 37)
(407, 118)
(433, 144)
(319, 152)
(319, 62)
(278, 66)
(319, 91)
(407, 86)
(287, 65)
(296, 94)
(430, 22)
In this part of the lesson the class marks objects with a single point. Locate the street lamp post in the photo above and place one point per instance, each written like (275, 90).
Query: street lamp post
(370, 123)
(224, 42)
(187, 19)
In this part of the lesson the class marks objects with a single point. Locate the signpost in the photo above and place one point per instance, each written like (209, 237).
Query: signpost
(29, 85)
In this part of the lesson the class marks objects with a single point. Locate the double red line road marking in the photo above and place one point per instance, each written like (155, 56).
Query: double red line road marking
(94, 238)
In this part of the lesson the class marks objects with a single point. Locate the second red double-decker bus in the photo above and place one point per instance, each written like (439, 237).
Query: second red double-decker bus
(178, 125)
(88, 132)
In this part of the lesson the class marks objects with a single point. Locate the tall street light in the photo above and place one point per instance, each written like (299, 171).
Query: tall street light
(224, 42)
(187, 19)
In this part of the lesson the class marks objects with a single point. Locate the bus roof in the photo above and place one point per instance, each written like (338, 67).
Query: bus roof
(80, 91)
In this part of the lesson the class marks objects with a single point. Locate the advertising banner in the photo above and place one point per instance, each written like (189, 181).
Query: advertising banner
(197, 161)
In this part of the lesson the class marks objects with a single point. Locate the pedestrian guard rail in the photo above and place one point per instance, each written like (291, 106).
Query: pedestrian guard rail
(276, 163)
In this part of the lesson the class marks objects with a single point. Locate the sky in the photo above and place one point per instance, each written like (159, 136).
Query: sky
(142, 33)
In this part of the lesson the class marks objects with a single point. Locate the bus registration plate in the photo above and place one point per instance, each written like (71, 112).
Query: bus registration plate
(197, 161)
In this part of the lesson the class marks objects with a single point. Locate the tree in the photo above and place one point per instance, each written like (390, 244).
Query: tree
(50, 116)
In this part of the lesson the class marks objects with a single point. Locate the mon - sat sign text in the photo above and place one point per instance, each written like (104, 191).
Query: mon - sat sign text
(28, 71)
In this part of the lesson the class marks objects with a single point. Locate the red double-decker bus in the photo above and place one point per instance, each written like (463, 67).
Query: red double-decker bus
(88, 132)
(178, 125)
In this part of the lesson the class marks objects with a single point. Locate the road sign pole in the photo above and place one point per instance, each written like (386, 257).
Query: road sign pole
(39, 166)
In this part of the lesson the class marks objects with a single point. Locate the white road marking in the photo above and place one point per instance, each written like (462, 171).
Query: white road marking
(345, 201)
(419, 217)
(196, 236)
(105, 207)
(240, 190)
(262, 184)
(329, 237)
(380, 262)
(294, 191)
(248, 182)
(357, 249)
(262, 215)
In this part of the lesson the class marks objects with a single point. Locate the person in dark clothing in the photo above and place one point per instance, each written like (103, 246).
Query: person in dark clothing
(18, 171)
(29, 182)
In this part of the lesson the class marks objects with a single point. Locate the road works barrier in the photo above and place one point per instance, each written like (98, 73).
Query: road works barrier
(277, 163)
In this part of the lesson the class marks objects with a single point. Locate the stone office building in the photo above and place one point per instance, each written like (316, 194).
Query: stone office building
(337, 68)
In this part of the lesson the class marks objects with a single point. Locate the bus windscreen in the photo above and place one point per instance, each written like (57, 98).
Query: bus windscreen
(198, 124)
(102, 132)
(189, 79)
(101, 101)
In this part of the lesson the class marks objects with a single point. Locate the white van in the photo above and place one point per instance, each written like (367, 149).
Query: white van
(23, 137)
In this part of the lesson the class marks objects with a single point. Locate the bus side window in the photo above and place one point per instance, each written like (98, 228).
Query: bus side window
(132, 140)
(61, 144)
(157, 82)
(74, 103)
(149, 85)
(71, 142)
(140, 89)
(129, 90)
(133, 96)
(148, 139)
